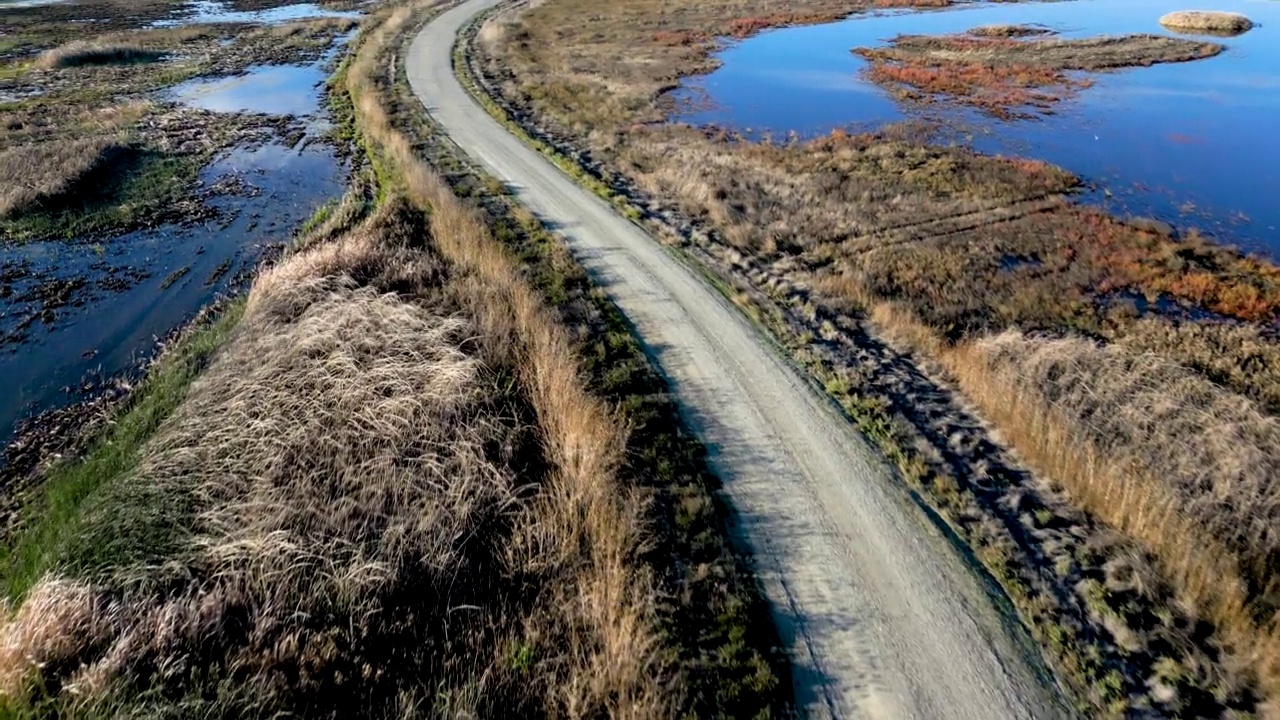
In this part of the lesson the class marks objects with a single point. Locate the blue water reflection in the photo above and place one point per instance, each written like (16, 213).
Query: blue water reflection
(214, 11)
(270, 89)
(1191, 143)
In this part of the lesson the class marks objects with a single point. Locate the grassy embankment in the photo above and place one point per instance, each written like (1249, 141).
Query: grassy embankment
(392, 493)
(892, 267)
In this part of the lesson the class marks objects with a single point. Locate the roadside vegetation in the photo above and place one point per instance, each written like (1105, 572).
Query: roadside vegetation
(1111, 461)
(422, 470)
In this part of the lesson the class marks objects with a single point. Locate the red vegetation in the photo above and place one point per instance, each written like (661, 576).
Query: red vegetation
(743, 27)
(1193, 270)
(1003, 91)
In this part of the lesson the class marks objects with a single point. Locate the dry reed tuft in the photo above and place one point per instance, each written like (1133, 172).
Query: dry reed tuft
(79, 53)
(45, 170)
(1207, 21)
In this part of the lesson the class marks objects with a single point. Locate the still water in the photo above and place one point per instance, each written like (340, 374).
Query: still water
(213, 11)
(1191, 143)
(76, 313)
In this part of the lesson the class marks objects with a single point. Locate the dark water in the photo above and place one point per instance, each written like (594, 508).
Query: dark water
(1193, 143)
(127, 292)
(72, 313)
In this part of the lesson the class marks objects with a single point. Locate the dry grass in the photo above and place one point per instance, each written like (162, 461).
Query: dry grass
(1207, 22)
(46, 170)
(1009, 31)
(343, 457)
(1244, 358)
(77, 54)
(306, 34)
(1170, 458)
(589, 520)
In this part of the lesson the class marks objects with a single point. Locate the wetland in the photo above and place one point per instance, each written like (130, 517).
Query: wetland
(985, 227)
(162, 160)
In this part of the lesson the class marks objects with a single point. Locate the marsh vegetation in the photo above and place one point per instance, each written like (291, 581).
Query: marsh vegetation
(1207, 22)
(422, 469)
(894, 266)
(1008, 76)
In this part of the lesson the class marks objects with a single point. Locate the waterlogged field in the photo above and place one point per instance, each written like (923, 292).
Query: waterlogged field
(1188, 142)
(203, 144)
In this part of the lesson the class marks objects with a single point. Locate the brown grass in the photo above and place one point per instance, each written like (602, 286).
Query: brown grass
(1207, 22)
(81, 53)
(343, 494)
(1170, 458)
(42, 171)
(1009, 31)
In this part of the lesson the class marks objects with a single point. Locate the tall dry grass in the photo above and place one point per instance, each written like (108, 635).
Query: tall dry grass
(592, 521)
(355, 511)
(307, 522)
(42, 171)
(1171, 459)
(79, 53)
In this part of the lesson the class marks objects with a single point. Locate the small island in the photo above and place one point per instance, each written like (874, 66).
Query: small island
(1207, 22)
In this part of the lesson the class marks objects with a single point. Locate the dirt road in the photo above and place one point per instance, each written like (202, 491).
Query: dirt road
(883, 616)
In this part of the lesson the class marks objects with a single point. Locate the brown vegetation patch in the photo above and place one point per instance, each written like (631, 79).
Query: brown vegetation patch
(47, 170)
(344, 456)
(87, 53)
(1009, 31)
(1207, 22)
(1159, 451)
(993, 69)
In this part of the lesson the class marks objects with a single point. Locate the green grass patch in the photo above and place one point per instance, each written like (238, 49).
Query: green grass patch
(133, 186)
(82, 519)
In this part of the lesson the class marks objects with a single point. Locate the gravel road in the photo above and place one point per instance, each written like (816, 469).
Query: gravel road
(882, 614)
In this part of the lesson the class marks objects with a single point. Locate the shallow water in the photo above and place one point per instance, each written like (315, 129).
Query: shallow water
(211, 11)
(1189, 143)
(74, 313)
(135, 288)
(270, 89)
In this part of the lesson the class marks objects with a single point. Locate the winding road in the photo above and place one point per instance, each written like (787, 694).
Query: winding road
(882, 614)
